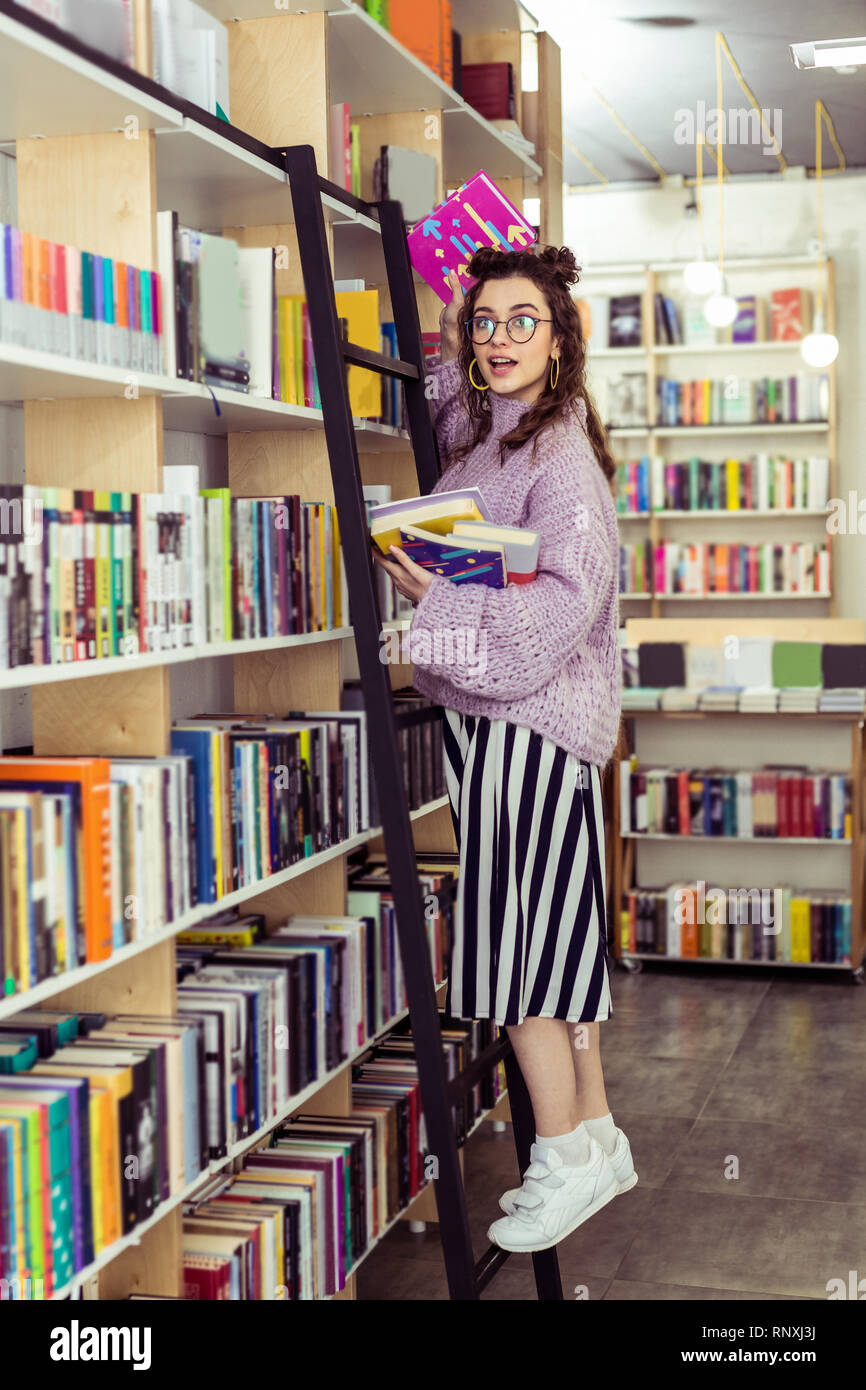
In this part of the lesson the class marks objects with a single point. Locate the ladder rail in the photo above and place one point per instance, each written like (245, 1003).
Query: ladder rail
(387, 766)
(466, 1278)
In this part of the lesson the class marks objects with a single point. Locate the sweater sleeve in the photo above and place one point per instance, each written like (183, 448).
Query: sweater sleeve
(444, 380)
(507, 643)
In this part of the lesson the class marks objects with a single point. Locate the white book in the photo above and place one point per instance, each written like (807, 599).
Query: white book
(625, 772)
(216, 631)
(183, 480)
(256, 275)
(819, 473)
(166, 223)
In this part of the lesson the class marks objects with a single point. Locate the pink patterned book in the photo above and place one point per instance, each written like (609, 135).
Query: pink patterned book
(478, 214)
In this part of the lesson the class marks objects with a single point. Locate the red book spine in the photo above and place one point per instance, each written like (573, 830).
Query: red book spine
(683, 800)
(796, 806)
(783, 807)
(807, 796)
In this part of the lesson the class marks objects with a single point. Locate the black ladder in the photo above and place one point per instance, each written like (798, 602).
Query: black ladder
(466, 1278)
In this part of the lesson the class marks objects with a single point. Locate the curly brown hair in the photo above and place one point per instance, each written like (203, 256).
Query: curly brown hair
(552, 269)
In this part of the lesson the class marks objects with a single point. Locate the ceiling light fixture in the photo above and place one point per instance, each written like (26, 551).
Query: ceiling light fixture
(701, 276)
(829, 53)
(721, 308)
(819, 348)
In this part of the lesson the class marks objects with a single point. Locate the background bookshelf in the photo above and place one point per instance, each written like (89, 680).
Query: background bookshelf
(747, 741)
(87, 175)
(644, 436)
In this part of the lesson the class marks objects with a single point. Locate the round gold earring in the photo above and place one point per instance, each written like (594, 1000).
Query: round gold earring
(553, 380)
(472, 379)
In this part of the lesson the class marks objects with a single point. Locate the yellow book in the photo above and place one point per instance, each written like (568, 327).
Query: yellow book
(287, 360)
(323, 588)
(338, 568)
(305, 761)
(104, 623)
(437, 516)
(361, 308)
(217, 804)
(97, 1183)
(732, 470)
(313, 558)
(801, 945)
(22, 896)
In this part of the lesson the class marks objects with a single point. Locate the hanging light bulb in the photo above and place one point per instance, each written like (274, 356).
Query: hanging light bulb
(702, 277)
(721, 308)
(819, 348)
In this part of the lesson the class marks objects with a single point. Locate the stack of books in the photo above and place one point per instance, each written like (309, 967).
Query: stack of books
(759, 699)
(798, 700)
(850, 700)
(720, 698)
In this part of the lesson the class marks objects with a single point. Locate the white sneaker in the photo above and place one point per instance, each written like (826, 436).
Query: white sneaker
(620, 1161)
(555, 1199)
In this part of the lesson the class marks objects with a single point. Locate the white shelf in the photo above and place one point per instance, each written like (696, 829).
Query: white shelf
(45, 90)
(790, 514)
(26, 999)
(704, 598)
(20, 677)
(30, 375)
(724, 960)
(809, 427)
(211, 182)
(632, 597)
(733, 839)
(360, 50)
(629, 431)
(707, 349)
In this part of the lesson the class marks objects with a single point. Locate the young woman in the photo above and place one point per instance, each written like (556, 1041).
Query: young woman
(529, 680)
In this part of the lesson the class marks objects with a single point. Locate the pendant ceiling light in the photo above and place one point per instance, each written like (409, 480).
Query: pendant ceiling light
(700, 276)
(819, 348)
(721, 308)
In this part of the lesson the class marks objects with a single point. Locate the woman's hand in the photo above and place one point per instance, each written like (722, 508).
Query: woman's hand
(449, 331)
(410, 579)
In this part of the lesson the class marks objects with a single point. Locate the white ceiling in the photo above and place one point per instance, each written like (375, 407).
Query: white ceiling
(649, 74)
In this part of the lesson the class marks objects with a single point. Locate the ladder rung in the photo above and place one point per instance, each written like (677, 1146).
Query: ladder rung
(477, 1069)
(490, 1263)
(378, 362)
(342, 195)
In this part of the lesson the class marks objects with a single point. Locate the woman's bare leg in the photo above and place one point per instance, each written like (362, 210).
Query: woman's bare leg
(543, 1048)
(592, 1101)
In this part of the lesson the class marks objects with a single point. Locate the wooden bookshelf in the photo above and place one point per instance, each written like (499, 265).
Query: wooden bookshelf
(840, 738)
(653, 360)
(85, 179)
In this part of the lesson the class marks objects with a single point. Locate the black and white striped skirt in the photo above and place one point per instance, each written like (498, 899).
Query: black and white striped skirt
(530, 934)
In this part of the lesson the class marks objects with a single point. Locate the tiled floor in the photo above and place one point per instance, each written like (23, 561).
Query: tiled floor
(704, 1071)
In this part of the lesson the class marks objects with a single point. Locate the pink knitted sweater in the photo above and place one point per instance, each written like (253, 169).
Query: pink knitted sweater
(543, 654)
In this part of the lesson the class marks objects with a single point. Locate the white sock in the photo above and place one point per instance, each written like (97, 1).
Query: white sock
(604, 1130)
(572, 1148)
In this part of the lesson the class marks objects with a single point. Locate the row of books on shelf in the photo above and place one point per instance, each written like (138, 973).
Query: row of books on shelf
(86, 575)
(692, 921)
(616, 321)
(707, 567)
(635, 568)
(759, 483)
(59, 299)
(775, 803)
(97, 853)
(105, 1118)
(190, 45)
(756, 699)
(744, 660)
(311, 1205)
(795, 399)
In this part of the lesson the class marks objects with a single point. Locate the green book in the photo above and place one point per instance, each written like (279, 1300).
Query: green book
(694, 487)
(797, 664)
(224, 496)
(378, 10)
(18, 1052)
(355, 151)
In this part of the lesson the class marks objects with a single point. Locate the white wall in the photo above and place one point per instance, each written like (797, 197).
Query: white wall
(769, 217)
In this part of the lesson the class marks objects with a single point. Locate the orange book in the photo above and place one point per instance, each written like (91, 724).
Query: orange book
(446, 71)
(721, 569)
(110, 1084)
(93, 777)
(42, 258)
(417, 24)
(691, 927)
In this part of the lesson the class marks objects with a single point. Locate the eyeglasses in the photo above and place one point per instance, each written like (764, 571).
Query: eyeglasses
(520, 327)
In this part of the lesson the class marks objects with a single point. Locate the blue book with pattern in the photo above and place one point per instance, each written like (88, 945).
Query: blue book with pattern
(456, 558)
